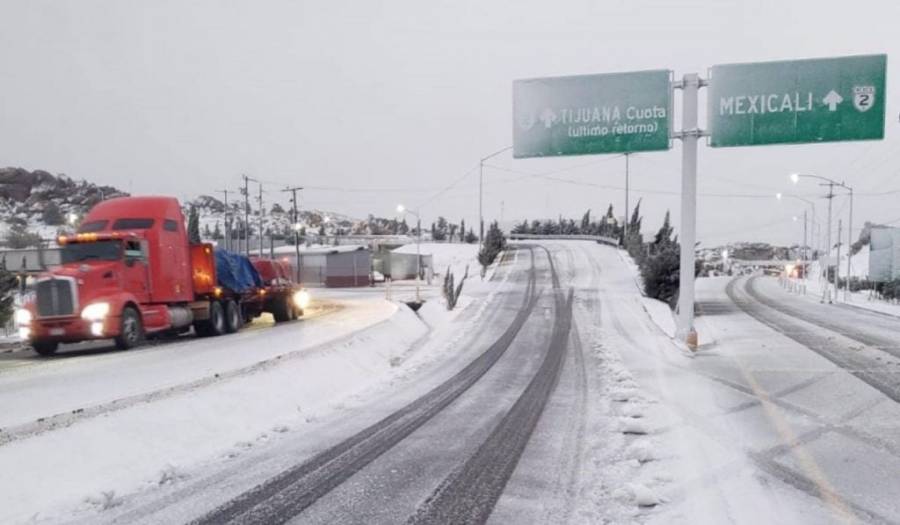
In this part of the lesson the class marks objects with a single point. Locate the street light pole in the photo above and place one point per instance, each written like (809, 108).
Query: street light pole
(795, 178)
(481, 194)
(812, 205)
(625, 230)
(849, 247)
(402, 209)
(805, 244)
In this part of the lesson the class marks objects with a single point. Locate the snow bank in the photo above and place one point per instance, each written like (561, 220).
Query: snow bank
(661, 315)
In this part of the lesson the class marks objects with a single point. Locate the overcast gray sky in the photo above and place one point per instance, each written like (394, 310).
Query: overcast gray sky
(181, 97)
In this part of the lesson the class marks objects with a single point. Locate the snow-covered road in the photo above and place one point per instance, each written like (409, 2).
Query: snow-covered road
(528, 405)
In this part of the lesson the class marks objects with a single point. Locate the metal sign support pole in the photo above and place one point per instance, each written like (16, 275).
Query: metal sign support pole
(826, 295)
(690, 134)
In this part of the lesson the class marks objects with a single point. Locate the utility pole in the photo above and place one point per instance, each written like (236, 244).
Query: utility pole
(837, 263)
(826, 294)
(260, 220)
(227, 225)
(246, 191)
(295, 225)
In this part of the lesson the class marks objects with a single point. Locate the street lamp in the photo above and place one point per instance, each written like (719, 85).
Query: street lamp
(72, 218)
(481, 193)
(401, 209)
(781, 196)
(795, 178)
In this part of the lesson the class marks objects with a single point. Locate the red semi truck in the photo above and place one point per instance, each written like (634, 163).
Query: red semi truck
(130, 271)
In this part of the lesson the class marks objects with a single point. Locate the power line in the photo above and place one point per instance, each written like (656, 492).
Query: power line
(449, 187)
(622, 188)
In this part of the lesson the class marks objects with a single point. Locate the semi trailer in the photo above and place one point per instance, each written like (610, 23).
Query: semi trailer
(130, 271)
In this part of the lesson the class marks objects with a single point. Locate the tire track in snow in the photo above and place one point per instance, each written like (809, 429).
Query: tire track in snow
(468, 495)
(865, 368)
(814, 315)
(289, 493)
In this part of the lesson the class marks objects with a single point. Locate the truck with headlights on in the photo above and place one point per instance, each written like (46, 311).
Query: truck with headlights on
(130, 271)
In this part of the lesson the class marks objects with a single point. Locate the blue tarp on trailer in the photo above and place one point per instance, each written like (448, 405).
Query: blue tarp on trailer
(235, 272)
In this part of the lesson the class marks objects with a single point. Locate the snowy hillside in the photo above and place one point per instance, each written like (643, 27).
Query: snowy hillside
(38, 202)
(276, 219)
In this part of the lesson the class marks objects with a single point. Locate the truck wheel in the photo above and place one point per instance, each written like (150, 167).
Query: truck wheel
(213, 326)
(281, 310)
(131, 331)
(233, 318)
(45, 348)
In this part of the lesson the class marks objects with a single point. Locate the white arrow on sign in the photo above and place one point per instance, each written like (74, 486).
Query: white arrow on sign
(832, 99)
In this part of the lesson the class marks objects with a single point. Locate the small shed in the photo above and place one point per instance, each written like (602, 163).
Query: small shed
(30, 260)
(333, 267)
(403, 265)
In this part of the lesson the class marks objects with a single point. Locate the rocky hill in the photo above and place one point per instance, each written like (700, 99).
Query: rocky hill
(36, 206)
(277, 219)
(39, 204)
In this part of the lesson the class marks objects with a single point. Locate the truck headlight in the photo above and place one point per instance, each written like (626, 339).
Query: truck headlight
(23, 316)
(95, 312)
(301, 298)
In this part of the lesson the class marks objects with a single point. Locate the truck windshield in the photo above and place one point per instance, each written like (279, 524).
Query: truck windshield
(84, 251)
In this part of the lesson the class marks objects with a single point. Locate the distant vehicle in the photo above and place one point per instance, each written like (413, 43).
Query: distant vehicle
(130, 271)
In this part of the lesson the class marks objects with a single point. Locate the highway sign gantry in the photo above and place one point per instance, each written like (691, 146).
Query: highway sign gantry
(797, 101)
(789, 102)
(589, 114)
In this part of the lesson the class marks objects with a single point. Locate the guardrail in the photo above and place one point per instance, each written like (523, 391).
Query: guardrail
(533, 236)
(775, 263)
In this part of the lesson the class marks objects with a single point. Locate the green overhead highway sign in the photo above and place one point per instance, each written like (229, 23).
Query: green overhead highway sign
(583, 115)
(798, 101)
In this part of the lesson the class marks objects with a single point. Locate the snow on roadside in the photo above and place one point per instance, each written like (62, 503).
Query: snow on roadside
(93, 463)
(673, 447)
(628, 478)
(813, 287)
(660, 313)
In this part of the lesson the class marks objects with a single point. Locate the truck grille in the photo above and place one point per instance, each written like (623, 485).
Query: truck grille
(55, 298)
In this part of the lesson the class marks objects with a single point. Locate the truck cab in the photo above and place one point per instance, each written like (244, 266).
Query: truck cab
(124, 274)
